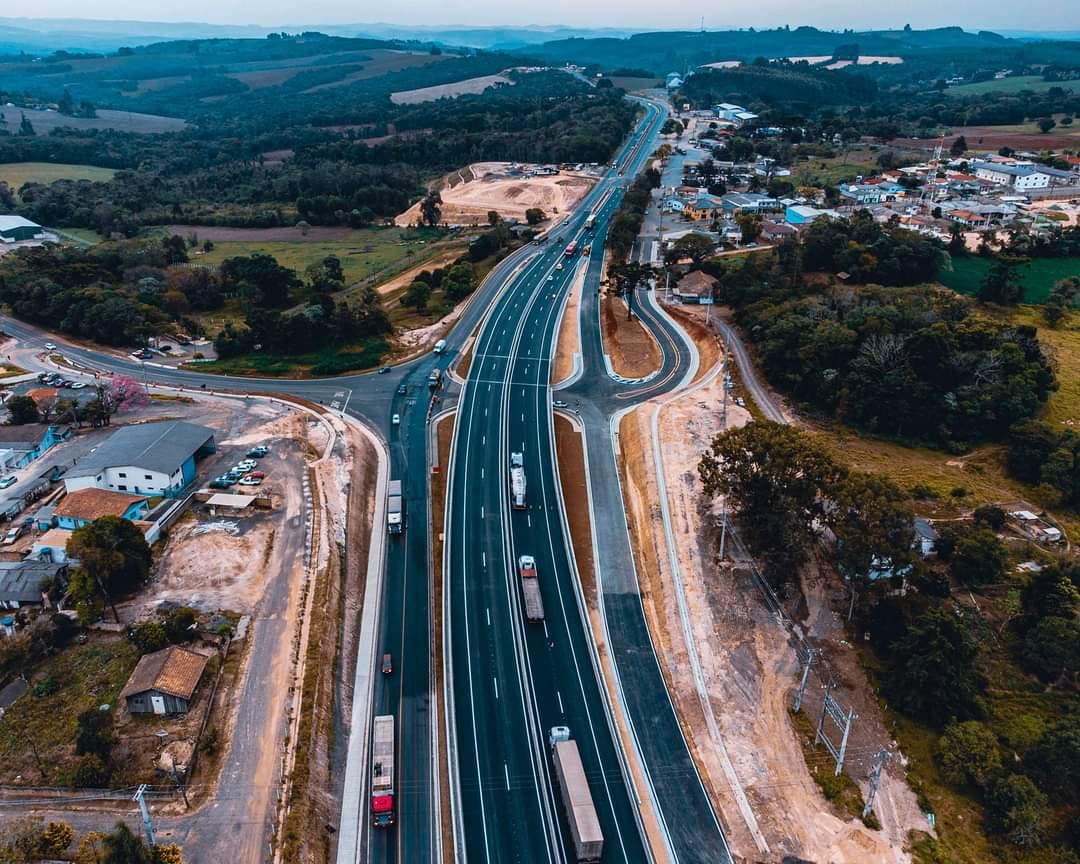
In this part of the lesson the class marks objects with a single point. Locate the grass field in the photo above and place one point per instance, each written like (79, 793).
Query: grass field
(365, 253)
(1038, 277)
(351, 358)
(831, 172)
(1010, 85)
(17, 173)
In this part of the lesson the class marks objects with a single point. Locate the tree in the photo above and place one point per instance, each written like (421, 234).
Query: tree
(1015, 809)
(959, 146)
(1062, 297)
(696, 247)
(968, 753)
(125, 394)
(534, 216)
(934, 672)
(431, 208)
(627, 278)
(94, 734)
(416, 296)
(22, 410)
(749, 226)
(67, 103)
(114, 559)
(56, 838)
(1001, 284)
(1050, 593)
(979, 558)
(774, 477)
(990, 515)
(872, 521)
(121, 846)
(26, 128)
(1055, 760)
(1045, 124)
(1051, 649)
(150, 636)
(493, 218)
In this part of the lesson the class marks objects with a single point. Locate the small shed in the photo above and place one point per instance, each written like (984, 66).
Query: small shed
(695, 287)
(164, 682)
(226, 504)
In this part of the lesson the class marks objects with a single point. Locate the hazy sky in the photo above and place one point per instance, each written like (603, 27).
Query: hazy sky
(639, 14)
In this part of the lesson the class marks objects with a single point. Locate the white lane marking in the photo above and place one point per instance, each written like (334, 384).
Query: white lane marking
(483, 555)
(487, 611)
(483, 439)
(481, 511)
(523, 417)
(495, 681)
(481, 473)
(559, 694)
(528, 519)
(506, 772)
(546, 636)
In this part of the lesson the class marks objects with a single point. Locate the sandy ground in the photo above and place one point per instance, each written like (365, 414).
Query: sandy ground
(569, 342)
(632, 349)
(448, 91)
(405, 279)
(490, 188)
(749, 667)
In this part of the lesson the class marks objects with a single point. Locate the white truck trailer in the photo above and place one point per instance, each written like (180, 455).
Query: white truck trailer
(577, 800)
(517, 481)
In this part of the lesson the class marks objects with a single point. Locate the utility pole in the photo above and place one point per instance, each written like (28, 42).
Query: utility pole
(880, 758)
(810, 654)
(831, 708)
(148, 825)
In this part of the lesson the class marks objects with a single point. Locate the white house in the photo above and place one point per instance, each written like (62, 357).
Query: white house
(155, 459)
(1022, 176)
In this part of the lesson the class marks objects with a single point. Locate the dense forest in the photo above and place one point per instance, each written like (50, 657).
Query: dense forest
(914, 362)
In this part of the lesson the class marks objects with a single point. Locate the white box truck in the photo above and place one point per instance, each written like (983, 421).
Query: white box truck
(395, 508)
(517, 481)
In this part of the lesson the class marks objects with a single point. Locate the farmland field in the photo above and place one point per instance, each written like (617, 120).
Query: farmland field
(1038, 277)
(17, 173)
(123, 121)
(1010, 85)
(448, 91)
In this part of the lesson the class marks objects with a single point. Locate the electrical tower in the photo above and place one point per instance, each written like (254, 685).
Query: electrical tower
(148, 825)
(811, 653)
(831, 709)
(880, 758)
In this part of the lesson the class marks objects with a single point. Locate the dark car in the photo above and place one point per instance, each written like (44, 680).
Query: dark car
(387, 664)
(222, 482)
(402, 389)
(258, 452)
(384, 370)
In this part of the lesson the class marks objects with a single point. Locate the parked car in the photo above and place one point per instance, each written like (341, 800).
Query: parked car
(251, 481)
(7, 481)
(387, 664)
(246, 465)
(12, 535)
(78, 385)
(258, 452)
(259, 474)
(222, 482)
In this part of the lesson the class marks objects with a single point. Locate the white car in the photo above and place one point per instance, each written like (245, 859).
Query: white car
(251, 481)
(396, 419)
(50, 346)
(78, 385)
(246, 465)
(558, 266)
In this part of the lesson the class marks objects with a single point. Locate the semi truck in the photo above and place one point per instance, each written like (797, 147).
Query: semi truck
(530, 589)
(382, 771)
(577, 800)
(590, 222)
(434, 379)
(395, 508)
(517, 481)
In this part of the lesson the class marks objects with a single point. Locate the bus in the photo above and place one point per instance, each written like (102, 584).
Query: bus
(382, 772)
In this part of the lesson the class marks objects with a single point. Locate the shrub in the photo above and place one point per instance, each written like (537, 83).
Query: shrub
(1015, 809)
(968, 753)
(89, 772)
(150, 637)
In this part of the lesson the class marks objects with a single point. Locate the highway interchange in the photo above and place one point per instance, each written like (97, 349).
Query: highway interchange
(508, 681)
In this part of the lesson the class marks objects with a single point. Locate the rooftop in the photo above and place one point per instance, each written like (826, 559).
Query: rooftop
(9, 222)
(161, 447)
(25, 434)
(91, 504)
(22, 580)
(173, 670)
(54, 538)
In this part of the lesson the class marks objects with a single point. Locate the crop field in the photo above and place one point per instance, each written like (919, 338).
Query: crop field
(17, 173)
(1038, 277)
(1015, 84)
(448, 91)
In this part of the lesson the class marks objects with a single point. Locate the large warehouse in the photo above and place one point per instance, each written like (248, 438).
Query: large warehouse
(14, 229)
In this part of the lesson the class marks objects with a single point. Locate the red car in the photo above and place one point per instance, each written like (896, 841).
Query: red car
(387, 664)
(258, 475)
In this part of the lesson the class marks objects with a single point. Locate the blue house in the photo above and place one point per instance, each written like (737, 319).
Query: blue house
(84, 506)
(21, 445)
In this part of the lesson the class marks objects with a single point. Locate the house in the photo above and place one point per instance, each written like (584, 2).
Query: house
(1022, 176)
(21, 445)
(146, 459)
(870, 193)
(703, 207)
(164, 682)
(84, 506)
(22, 583)
(925, 537)
(1036, 528)
(748, 202)
(16, 229)
(52, 546)
(734, 114)
(674, 81)
(801, 214)
(776, 231)
(695, 287)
